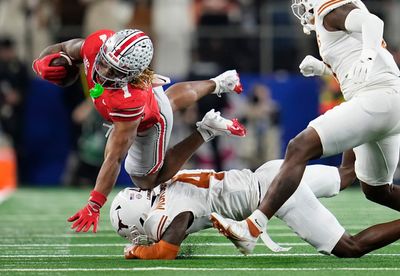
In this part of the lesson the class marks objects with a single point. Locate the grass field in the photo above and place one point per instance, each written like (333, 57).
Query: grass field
(36, 239)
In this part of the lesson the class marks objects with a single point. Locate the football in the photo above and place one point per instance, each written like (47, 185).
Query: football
(72, 71)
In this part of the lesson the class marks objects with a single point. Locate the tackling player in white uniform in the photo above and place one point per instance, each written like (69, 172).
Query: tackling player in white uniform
(190, 197)
(352, 48)
(184, 205)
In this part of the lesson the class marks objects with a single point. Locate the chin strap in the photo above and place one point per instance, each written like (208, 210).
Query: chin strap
(137, 238)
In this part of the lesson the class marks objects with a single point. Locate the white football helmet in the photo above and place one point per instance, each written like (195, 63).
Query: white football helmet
(122, 58)
(304, 10)
(129, 211)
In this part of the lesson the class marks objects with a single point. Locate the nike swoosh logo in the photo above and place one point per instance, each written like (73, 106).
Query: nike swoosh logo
(233, 127)
(255, 220)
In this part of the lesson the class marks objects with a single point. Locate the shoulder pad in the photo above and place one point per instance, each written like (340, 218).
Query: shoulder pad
(100, 34)
(94, 41)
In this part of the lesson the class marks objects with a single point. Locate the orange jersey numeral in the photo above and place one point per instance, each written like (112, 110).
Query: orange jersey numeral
(201, 180)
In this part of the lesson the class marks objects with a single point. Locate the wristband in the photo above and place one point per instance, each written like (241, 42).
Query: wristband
(97, 198)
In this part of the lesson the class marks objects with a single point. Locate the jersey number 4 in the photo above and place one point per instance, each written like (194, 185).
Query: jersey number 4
(201, 180)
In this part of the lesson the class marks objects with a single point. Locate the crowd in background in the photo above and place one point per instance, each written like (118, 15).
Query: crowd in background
(193, 39)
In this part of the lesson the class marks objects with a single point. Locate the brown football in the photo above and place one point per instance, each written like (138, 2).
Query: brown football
(72, 71)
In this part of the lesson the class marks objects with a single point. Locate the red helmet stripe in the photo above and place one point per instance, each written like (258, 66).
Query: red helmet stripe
(128, 43)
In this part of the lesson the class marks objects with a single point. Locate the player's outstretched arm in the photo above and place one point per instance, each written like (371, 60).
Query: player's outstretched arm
(168, 247)
(118, 144)
(120, 140)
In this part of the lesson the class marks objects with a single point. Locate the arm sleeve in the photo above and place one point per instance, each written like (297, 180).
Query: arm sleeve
(368, 24)
(161, 250)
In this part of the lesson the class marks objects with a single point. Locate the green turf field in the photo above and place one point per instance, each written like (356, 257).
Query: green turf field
(36, 239)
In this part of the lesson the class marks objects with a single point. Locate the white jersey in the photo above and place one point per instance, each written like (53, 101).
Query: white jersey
(340, 50)
(234, 194)
(237, 193)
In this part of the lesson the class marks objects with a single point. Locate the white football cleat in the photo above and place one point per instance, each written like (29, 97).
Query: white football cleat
(236, 231)
(228, 81)
(239, 234)
(213, 124)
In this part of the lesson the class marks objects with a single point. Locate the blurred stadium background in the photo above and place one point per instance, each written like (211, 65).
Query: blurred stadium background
(51, 137)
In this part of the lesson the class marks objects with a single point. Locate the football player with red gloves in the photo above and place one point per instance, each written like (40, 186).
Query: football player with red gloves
(127, 93)
(43, 68)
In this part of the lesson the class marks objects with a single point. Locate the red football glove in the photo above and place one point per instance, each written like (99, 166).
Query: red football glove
(89, 215)
(51, 73)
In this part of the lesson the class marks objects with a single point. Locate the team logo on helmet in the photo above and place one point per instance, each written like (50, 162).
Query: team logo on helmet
(129, 210)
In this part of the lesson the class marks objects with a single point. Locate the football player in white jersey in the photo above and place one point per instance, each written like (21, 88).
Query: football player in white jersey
(351, 46)
(184, 205)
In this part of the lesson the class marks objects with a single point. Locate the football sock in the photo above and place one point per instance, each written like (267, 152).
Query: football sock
(257, 223)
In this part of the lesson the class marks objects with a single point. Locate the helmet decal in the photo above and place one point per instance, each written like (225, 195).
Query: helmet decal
(123, 57)
(129, 211)
(130, 41)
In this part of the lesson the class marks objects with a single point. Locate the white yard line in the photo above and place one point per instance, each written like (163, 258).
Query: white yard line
(222, 244)
(201, 269)
(111, 235)
(194, 255)
(123, 244)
